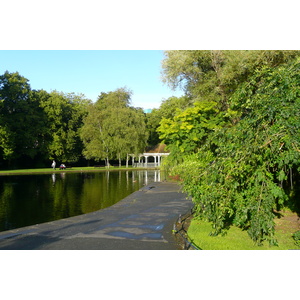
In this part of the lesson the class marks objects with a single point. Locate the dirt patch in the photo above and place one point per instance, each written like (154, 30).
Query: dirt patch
(288, 222)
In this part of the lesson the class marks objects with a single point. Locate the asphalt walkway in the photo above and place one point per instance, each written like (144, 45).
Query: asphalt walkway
(142, 221)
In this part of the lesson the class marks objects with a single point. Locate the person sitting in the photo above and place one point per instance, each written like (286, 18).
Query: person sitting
(62, 167)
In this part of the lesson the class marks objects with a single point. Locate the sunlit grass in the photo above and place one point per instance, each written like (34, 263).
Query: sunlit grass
(73, 169)
(235, 239)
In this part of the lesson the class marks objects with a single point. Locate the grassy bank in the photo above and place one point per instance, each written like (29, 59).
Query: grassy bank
(73, 169)
(237, 239)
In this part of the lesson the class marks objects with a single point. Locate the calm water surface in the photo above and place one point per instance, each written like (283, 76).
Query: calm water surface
(32, 199)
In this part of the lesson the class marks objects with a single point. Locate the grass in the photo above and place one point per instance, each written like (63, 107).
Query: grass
(237, 239)
(73, 169)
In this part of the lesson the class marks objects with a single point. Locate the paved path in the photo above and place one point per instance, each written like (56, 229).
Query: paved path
(141, 221)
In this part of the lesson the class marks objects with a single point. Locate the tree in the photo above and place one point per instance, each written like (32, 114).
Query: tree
(214, 75)
(246, 172)
(168, 109)
(136, 133)
(65, 113)
(188, 130)
(20, 109)
(113, 129)
(93, 136)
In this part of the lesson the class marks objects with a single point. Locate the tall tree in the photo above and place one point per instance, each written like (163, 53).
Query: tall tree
(94, 138)
(168, 109)
(136, 133)
(213, 75)
(113, 129)
(65, 113)
(21, 118)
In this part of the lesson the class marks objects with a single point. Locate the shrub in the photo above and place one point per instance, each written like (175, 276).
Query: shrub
(296, 237)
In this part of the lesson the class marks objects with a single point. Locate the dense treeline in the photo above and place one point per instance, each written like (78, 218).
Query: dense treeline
(237, 144)
(37, 126)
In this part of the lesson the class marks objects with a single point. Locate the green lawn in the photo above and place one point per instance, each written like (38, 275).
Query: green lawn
(50, 170)
(237, 239)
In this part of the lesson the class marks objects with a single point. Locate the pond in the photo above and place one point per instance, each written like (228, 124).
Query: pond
(32, 199)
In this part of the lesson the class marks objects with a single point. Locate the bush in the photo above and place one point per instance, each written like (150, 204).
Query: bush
(296, 237)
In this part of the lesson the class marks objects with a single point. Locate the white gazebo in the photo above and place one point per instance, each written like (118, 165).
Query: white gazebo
(143, 159)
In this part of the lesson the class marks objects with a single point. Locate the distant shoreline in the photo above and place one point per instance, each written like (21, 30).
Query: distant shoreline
(72, 170)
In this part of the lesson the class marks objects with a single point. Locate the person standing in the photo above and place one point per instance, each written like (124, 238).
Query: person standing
(53, 164)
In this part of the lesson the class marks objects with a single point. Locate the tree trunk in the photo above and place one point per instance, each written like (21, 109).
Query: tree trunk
(107, 162)
(127, 158)
(217, 60)
(120, 163)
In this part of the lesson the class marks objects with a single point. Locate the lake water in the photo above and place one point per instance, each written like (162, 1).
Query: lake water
(32, 199)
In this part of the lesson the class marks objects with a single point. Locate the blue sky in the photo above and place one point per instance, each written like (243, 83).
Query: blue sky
(91, 72)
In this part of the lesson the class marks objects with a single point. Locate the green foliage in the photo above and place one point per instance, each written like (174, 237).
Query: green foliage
(215, 75)
(167, 110)
(245, 171)
(7, 148)
(64, 113)
(45, 126)
(37, 125)
(113, 129)
(19, 110)
(296, 237)
(189, 129)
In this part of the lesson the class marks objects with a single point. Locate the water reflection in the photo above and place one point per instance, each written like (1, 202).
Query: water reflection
(53, 178)
(32, 199)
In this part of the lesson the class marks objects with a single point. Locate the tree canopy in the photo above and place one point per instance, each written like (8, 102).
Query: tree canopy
(113, 129)
(64, 113)
(243, 168)
(213, 75)
(37, 126)
(19, 110)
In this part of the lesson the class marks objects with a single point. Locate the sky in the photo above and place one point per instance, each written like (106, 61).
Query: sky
(91, 72)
